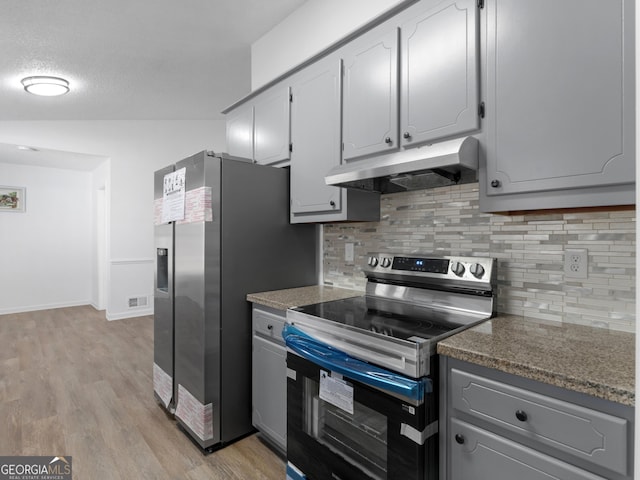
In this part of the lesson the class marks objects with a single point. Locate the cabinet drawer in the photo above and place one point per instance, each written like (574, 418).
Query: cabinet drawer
(477, 453)
(572, 429)
(268, 324)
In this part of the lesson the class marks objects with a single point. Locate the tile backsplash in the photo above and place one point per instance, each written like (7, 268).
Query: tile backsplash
(529, 248)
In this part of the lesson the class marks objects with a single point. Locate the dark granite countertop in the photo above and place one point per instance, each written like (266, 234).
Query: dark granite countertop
(584, 359)
(296, 297)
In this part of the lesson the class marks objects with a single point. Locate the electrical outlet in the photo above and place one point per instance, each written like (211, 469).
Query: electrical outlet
(576, 263)
(348, 252)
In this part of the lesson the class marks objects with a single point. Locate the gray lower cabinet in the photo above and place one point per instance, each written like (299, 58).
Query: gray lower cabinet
(480, 454)
(560, 104)
(269, 376)
(499, 426)
(316, 149)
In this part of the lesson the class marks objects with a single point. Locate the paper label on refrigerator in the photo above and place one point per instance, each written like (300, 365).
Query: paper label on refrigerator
(196, 416)
(336, 391)
(157, 211)
(198, 206)
(173, 196)
(162, 384)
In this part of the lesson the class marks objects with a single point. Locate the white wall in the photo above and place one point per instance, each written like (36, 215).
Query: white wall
(135, 149)
(310, 29)
(100, 237)
(45, 253)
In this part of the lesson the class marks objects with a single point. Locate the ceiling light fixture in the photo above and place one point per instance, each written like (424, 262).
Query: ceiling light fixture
(46, 86)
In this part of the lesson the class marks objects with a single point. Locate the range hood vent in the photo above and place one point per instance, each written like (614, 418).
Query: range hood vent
(437, 165)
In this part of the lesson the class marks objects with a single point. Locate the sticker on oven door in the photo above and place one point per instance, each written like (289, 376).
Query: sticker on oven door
(336, 391)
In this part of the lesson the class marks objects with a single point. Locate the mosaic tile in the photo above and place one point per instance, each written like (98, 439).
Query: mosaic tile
(529, 248)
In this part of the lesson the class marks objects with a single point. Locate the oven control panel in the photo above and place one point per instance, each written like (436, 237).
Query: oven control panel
(417, 264)
(452, 268)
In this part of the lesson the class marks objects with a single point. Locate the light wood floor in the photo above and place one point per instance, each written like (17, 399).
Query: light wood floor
(72, 383)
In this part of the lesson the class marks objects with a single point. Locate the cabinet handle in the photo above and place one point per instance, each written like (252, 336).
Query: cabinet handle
(459, 438)
(269, 327)
(495, 183)
(387, 140)
(406, 135)
(522, 416)
(332, 203)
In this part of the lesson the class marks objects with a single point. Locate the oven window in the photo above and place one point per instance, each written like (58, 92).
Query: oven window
(360, 439)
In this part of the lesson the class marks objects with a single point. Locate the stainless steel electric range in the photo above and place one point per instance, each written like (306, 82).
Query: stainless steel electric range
(362, 371)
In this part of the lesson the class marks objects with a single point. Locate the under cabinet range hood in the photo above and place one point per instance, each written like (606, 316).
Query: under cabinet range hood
(435, 165)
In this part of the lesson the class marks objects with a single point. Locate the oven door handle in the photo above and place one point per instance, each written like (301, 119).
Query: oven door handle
(337, 361)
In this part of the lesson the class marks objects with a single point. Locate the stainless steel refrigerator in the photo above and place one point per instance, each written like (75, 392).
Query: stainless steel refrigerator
(235, 238)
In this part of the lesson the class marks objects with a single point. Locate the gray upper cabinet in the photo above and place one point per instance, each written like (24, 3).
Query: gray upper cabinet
(559, 104)
(240, 131)
(259, 129)
(547, 87)
(271, 126)
(439, 72)
(370, 103)
(412, 80)
(315, 135)
(316, 149)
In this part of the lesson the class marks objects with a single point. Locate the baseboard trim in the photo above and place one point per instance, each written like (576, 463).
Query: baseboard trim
(137, 313)
(49, 306)
(109, 316)
(95, 305)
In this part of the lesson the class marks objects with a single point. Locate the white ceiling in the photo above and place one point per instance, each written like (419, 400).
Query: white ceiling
(131, 59)
(49, 158)
(127, 60)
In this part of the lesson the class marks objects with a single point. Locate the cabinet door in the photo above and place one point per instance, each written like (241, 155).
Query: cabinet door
(271, 126)
(477, 453)
(439, 94)
(240, 132)
(584, 433)
(270, 390)
(560, 98)
(315, 135)
(370, 97)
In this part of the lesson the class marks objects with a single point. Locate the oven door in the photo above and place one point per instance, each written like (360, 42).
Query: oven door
(342, 426)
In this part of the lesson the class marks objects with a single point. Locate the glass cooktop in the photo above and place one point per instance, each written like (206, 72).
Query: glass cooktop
(388, 317)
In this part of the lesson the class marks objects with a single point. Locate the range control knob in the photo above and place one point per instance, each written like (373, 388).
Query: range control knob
(477, 270)
(373, 261)
(457, 268)
(385, 262)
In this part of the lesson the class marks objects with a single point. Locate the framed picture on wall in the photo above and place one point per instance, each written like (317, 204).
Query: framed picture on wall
(13, 199)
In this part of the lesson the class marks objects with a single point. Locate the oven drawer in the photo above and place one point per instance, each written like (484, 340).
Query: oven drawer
(575, 430)
(268, 324)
